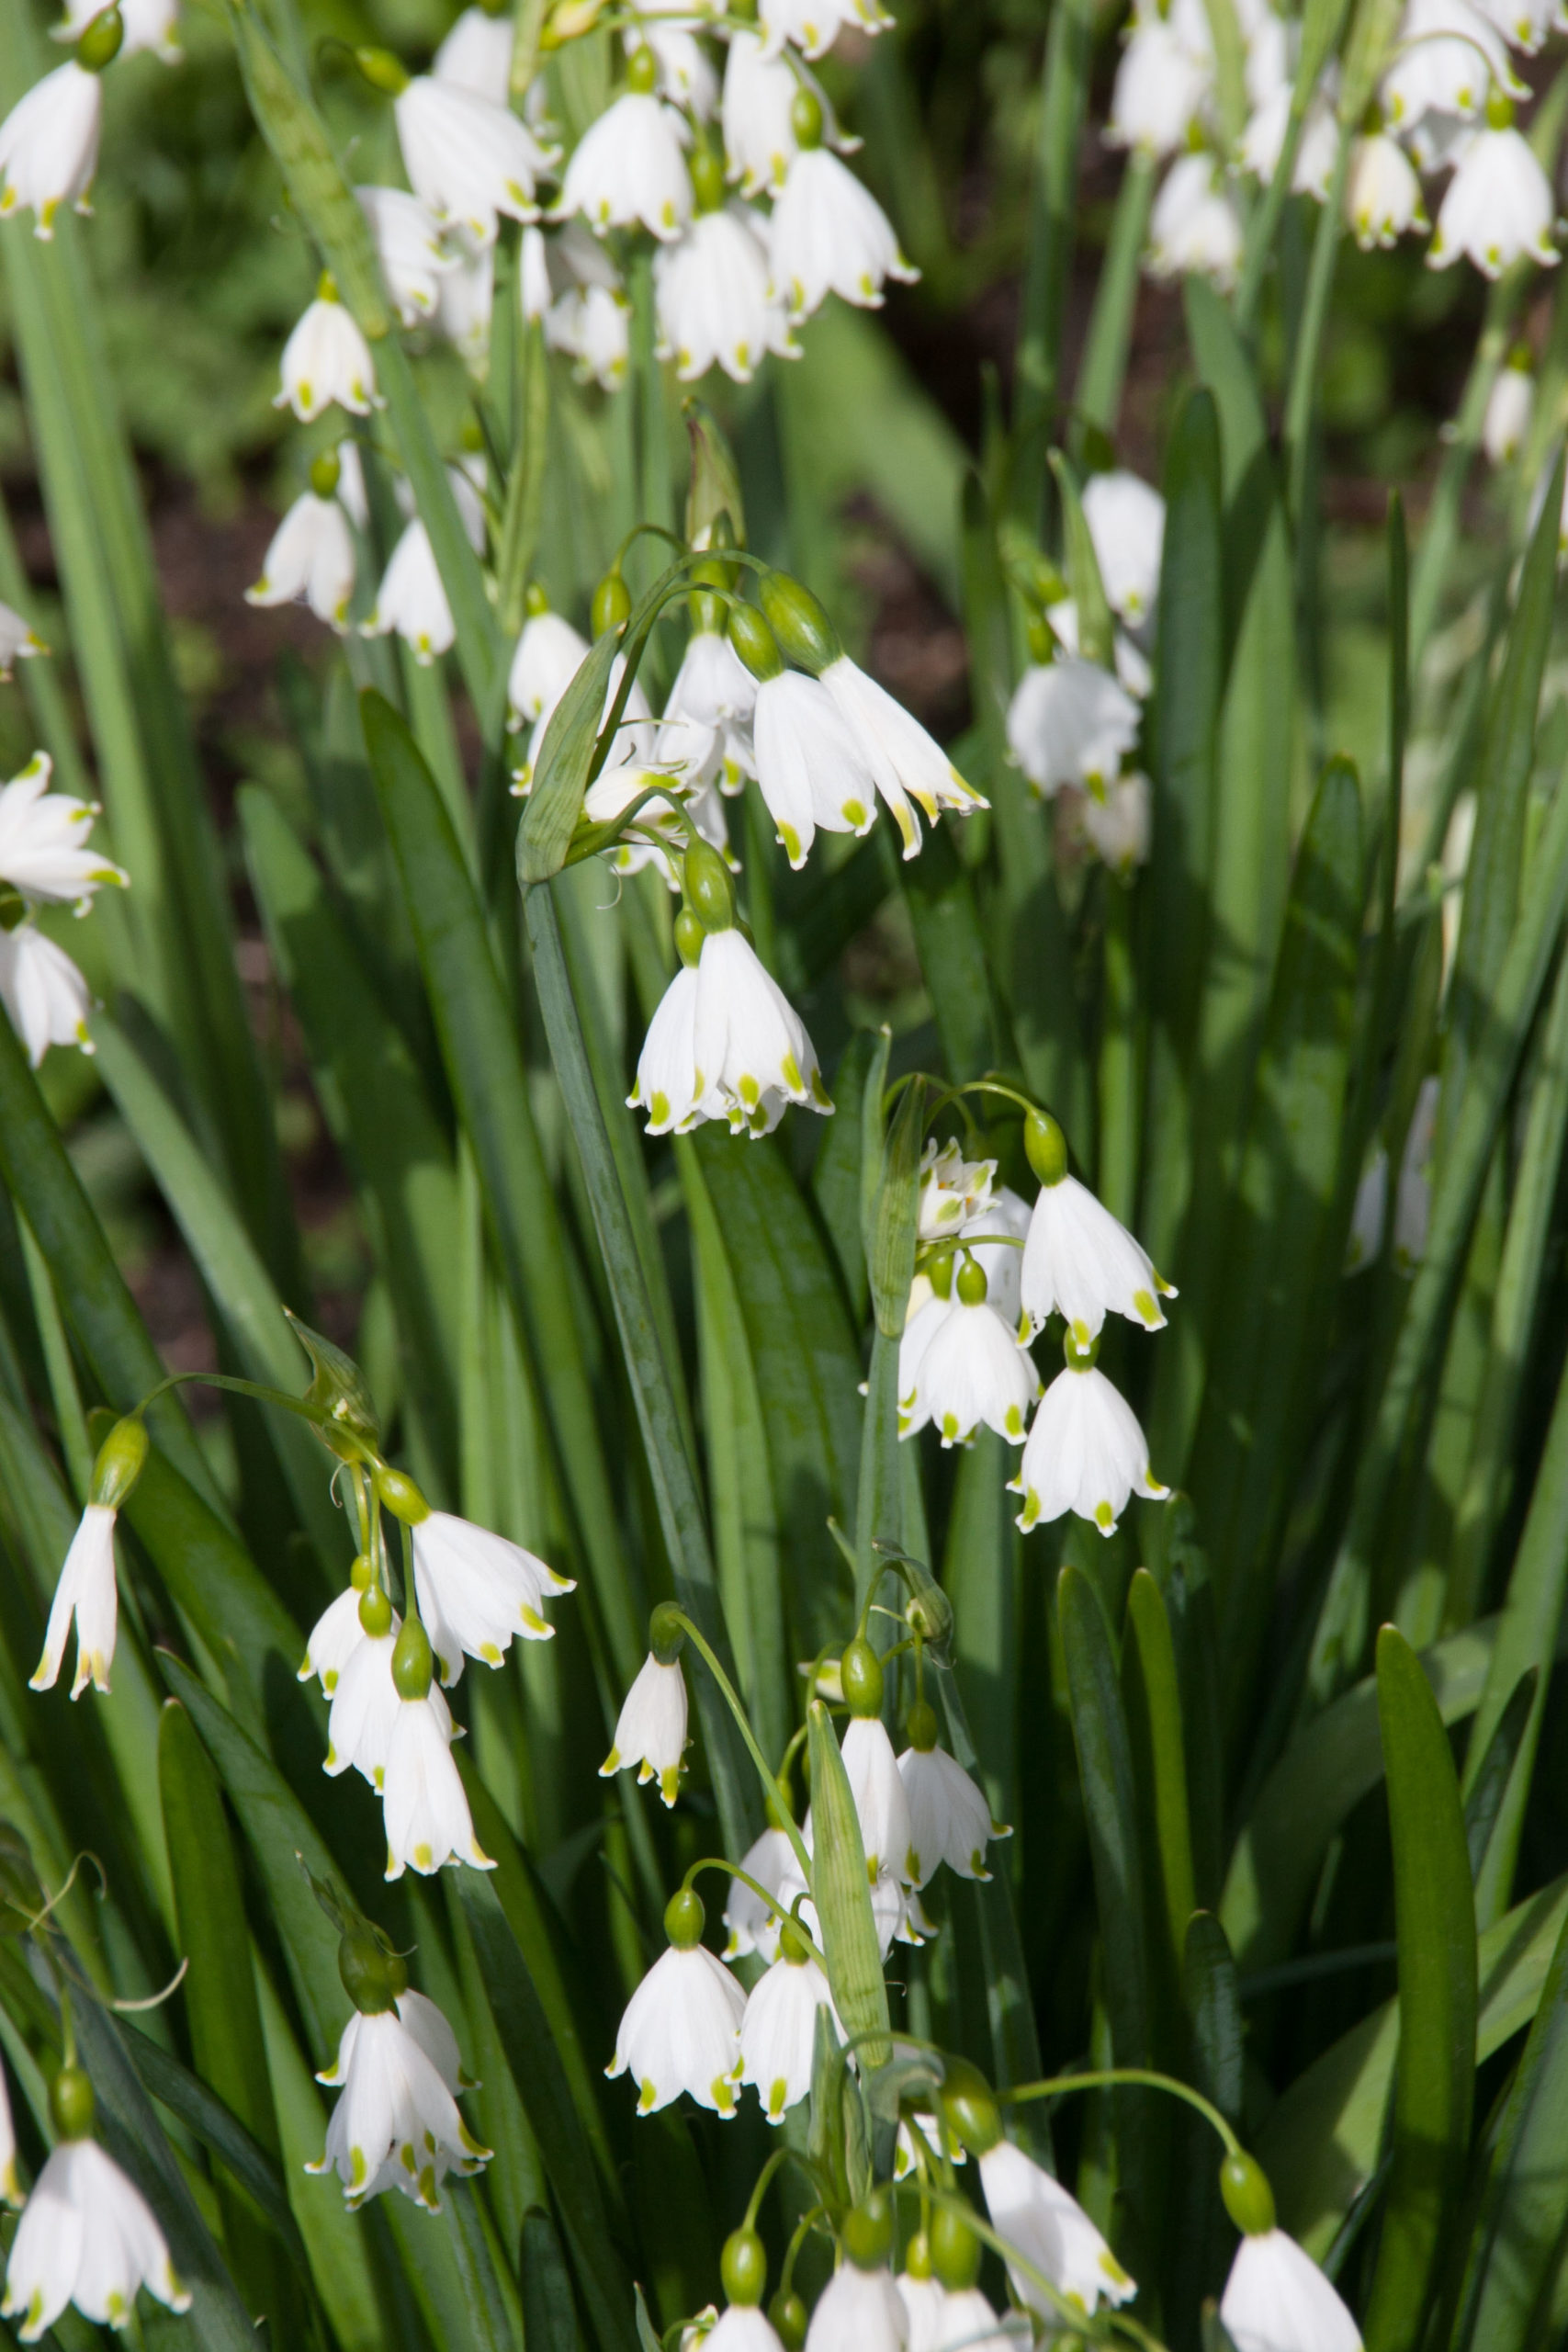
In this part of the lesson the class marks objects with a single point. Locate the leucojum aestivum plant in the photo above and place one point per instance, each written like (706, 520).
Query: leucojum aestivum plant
(1023, 1276)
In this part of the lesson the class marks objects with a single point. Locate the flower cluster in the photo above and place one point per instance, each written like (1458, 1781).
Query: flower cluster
(45, 861)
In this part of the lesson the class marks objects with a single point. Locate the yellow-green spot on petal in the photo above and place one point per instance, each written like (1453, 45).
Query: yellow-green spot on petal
(423, 1859)
(1145, 1304)
(303, 396)
(660, 1106)
(647, 2098)
(853, 812)
(331, 1755)
(535, 1622)
(612, 1764)
(118, 2309)
(950, 1426)
(724, 2095)
(776, 2098)
(790, 1070)
(427, 2195)
(1104, 1518)
(329, 1680)
(359, 2170)
(1014, 1422)
(407, 2154)
(381, 1777)
(669, 1782)
(1081, 1332)
(1113, 2269)
(819, 1093)
(489, 1653)
(750, 1091)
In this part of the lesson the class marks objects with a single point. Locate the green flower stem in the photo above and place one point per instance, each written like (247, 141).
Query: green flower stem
(733, 1869)
(780, 2157)
(1104, 2077)
(802, 2231)
(731, 1697)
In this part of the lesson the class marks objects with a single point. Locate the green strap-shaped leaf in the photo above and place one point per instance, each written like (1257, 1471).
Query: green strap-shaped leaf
(218, 2129)
(566, 755)
(1152, 1696)
(1214, 2037)
(1435, 1919)
(950, 942)
(549, 2315)
(842, 1893)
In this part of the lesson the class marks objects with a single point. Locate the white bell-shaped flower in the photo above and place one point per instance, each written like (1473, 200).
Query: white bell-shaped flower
(1524, 23)
(534, 294)
(1382, 194)
(749, 1041)
(549, 654)
(49, 146)
(325, 359)
(1070, 722)
(1446, 59)
(468, 159)
(1128, 658)
(757, 118)
(86, 1592)
(740, 2328)
(952, 1189)
(907, 761)
(310, 560)
(19, 641)
(859, 2311)
(812, 768)
(44, 991)
(1081, 1262)
(477, 1590)
(812, 26)
(682, 72)
(43, 841)
(948, 1819)
(1509, 407)
(465, 300)
(592, 325)
(425, 1805)
(650, 1731)
(1126, 523)
(1116, 822)
(714, 695)
(715, 305)
(1195, 228)
(1263, 141)
(149, 24)
(829, 235)
(1162, 85)
(334, 1637)
(681, 2030)
(1277, 2300)
(945, 2319)
(364, 1704)
(1039, 2217)
(411, 600)
(87, 2237)
(752, 1924)
(397, 2124)
(778, 2032)
(970, 1373)
(1084, 1452)
(476, 55)
(669, 1087)
(408, 245)
(1499, 204)
(877, 1787)
(629, 166)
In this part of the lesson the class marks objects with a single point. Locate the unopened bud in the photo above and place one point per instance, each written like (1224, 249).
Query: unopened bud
(325, 473)
(707, 178)
(954, 2250)
(709, 890)
(375, 1612)
(921, 1724)
(413, 1663)
(1250, 2200)
(972, 1284)
(382, 71)
(805, 119)
(684, 1920)
(71, 2104)
(400, 1496)
(794, 614)
(100, 44)
(666, 1633)
(120, 1460)
(642, 70)
(612, 599)
(743, 2266)
(860, 1674)
(1046, 1147)
(372, 1976)
(755, 642)
(969, 2107)
(689, 938)
(788, 2312)
(918, 2257)
(867, 2231)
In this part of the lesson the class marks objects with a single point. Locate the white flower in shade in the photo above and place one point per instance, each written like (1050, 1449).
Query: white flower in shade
(650, 1731)
(749, 1041)
(411, 599)
(17, 642)
(1070, 722)
(325, 359)
(1084, 1452)
(310, 561)
(1525, 23)
(1365, 1238)
(1413, 1199)
(740, 2328)
(969, 1372)
(752, 1926)
(468, 159)
(592, 325)
(408, 245)
(1277, 2300)
(812, 26)
(465, 301)
(49, 146)
(397, 2124)
(86, 1592)
(1382, 194)
(1162, 84)
(1263, 141)
(1509, 406)
(907, 763)
(1081, 1262)
(630, 166)
(944, 2320)
(1036, 2214)
(1117, 822)
(43, 839)
(1446, 58)
(334, 1637)
(1131, 662)
(44, 993)
(1126, 523)
(713, 686)
(534, 291)
(89, 2237)
(952, 1189)
(812, 768)
(549, 654)
(1499, 204)
(829, 235)
(859, 2311)
(877, 1787)
(778, 2032)
(715, 303)
(948, 1819)
(476, 1590)
(681, 2032)
(423, 1802)
(1194, 226)
(759, 141)
(476, 55)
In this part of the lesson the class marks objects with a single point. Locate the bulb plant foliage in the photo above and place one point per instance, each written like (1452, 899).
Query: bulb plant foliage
(967, 1599)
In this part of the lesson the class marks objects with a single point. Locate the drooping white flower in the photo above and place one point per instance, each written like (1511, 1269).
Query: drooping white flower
(86, 1592)
(533, 292)
(325, 359)
(650, 1731)
(778, 2032)
(1084, 1452)
(1194, 226)
(408, 245)
(1382, 194)
(411, 599)
(423, 1802)
(829, 235)
(812, 26)
(468, 159)
(907, 763)
(1446, 58)
(1126, 522)
(943, 2318)
(1082, 1263)
(1038, 2216)
(680, 2032)
(89, 2237)
(49, 146)
(948, 1819)
(334, 1637)
(549, 654)
(365, 1702)
(859, 2311)
(1499, 203)
(682, 70)
(397, 2124)
(952, 1189)
(669, 1087)
(1365, 1238)
(464, 303)
(1413, 1198)
(1128, 658)
(1525, 23)
(1116, 822)
(1070, 722)
(630, 166)
(991, 1237)
(149, 24)
(716, 307)
(44, 991)
(970, 1371)
(752, 1924)
(17, 640)
(1162, 84)
(1263, 141)
(310, 560)
(476, 1590)
(43, 841)
(592, 325)
(476, 55)
(739, 2327)
(877, 1787)
(749, 1040)
(1509, 406)
(760, 140)
(812, 768)
(1277, 2300)
(713, 688)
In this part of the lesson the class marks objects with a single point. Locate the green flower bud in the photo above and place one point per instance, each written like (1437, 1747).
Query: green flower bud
(325, 473)
(1042, 640)
(1079, 1355)
(1250, 2200)
(707, 178)
(955, 2250)
(743, 2266)
(372, 1976)
(755, 642)
(1046, 1147)
(796, 617)
(120, 1464)
(921, 1724)
(382, 71)
(666, 1634)
(98, 47)
(969, 2107)
(642, 70)
(806, 118)
(375, 1612)
(788, 2312)
(709, 890)
(684, 1920)
(860, 1675)
(535, 602)
(1499, 111)
(413, 1663)
(918, 2257)
(971, 1284)
(689, 937)
(362, 1576)
(612, 599)
(867, 2232)
(939, 1273)
(71, 2104)
(401, 1496)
